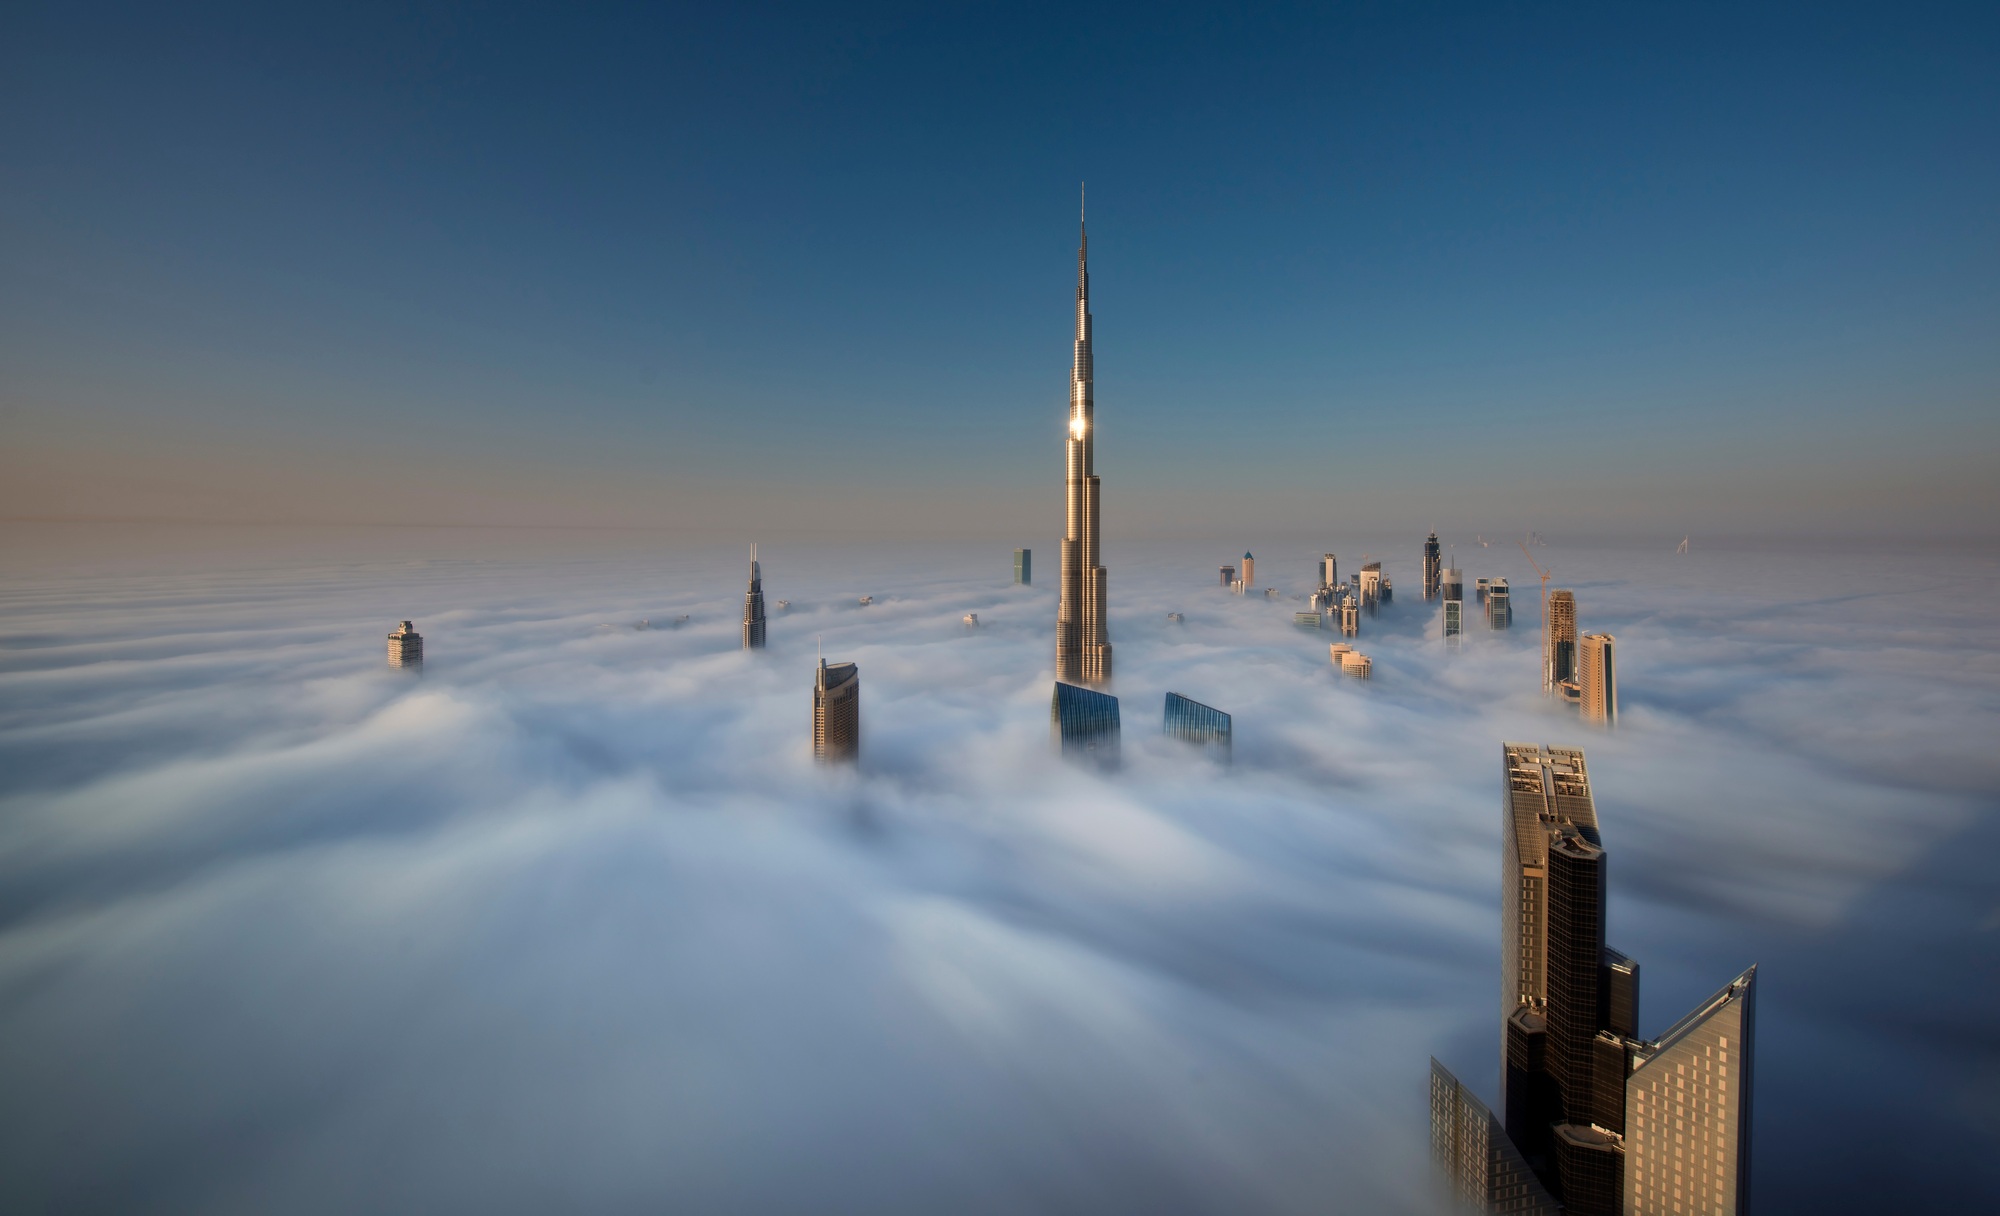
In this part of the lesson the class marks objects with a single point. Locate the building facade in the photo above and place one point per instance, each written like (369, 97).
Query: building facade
(1024, 567)
(1559, 641)
(837, 712)
(1191, 721)
(1454, 612)
(1083, 633)
(753, 606)
(1083, 723)
(1480, 1168)
(1247, 580)
(1329, 571)
(406, 647)
(1687, 1110)
(1597, 677)
(1499, 604)
(1433, 566)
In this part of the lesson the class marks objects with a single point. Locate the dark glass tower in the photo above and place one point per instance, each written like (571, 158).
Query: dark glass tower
(753, 606)
(1197, 723)
(1433, 566)
(1084, 723)
(1083, 640)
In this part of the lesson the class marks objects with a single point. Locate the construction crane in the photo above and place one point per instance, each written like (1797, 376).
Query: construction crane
(1683, 548)
(1545, 613)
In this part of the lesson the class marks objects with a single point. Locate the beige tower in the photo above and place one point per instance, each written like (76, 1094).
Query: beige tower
(1598, 677)
(1687, 1110)
(836, 711)
(1083, 637)
(406, 646)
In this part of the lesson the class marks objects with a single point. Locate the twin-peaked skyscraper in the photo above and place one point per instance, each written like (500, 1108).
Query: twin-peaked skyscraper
(1083, 641)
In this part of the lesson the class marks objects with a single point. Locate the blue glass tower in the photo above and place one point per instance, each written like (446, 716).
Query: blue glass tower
(1198, 723)
(1083, 723)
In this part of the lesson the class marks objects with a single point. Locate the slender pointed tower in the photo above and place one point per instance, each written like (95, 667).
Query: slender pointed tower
(753, 606)
(1083, 644)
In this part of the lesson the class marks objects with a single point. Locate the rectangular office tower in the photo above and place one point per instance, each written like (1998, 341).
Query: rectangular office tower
(1024, 567)
(1454, 613)
(836, 712)
(1433, 566)
(1197, 723)
(1559, 641)
(1229, 576)
(1451, 583)
(1479, 1166)
(1499, 605)
(1597, 677)
(753, 606)
(406, 647)
(1083, 723)
(1329, 571)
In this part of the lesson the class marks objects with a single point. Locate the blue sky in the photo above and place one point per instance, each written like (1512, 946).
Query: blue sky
(1683, 267)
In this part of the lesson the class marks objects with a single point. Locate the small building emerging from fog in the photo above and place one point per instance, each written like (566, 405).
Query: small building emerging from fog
(406, 647)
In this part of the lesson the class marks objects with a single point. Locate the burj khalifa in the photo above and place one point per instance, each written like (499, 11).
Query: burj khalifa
(1083, 643)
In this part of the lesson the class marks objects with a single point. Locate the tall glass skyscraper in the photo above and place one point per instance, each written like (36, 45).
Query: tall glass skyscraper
(1024, 566)
(1197, 723)
(753, 606)
(1433, 565)
(1083, 637)
(1083, 723)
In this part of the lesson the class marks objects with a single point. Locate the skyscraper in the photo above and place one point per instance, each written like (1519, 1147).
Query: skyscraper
(1083, 723)
(1597, 674)
(1451, 583)
(1687, 1109)
(1024, 567)
(1371, 585)
(1609, 1122)
(406, 646)
(1454, 611)
(1194, 722)
(836, 711)
(1432, 565)
(1559, 641)
(753, 606)
(1083, 640)
(1499, 604)
(1350, 617)
(1228, 576)
(1480, 1166)
(1329, 571)
(1248, 574)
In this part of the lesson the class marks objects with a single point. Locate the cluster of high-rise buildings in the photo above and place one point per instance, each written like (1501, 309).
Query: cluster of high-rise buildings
(1583, 671)
(1595, 1119)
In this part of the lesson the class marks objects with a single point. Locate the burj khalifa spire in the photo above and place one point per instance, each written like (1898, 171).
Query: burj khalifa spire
(1083, 643)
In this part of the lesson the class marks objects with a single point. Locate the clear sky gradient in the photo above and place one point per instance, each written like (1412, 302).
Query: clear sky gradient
(1663, 269)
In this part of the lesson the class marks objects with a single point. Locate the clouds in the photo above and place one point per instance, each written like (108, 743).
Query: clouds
(573, 920)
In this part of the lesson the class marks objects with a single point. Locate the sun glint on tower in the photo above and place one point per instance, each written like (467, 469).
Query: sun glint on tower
(1083, 642)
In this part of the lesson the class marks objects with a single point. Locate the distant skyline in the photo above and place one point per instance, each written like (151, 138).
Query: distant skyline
(1701, 269)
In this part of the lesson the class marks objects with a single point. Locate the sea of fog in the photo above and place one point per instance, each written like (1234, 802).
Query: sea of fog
(572, 922)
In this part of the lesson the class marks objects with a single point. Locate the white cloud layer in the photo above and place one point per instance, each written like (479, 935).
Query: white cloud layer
(573, 922)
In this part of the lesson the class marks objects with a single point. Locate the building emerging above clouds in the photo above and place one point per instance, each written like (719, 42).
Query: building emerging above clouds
(753, 606)
(836, 712)
(406, 646)
(1597, 677)
(1083, 723)
(1609, 1123)
(1191, 721)
(1083, 631)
